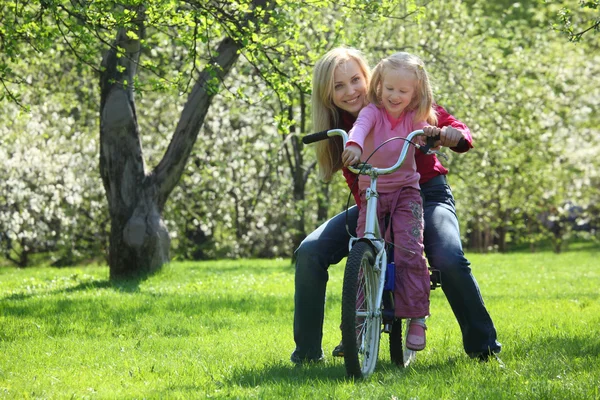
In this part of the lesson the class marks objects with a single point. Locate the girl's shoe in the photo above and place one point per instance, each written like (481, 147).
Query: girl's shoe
(415, 340)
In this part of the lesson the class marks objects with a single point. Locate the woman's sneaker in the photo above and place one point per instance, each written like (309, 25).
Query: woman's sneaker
(300, 360)
(338, 351)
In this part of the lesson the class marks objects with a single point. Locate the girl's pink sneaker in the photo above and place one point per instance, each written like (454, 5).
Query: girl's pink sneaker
(415, 340)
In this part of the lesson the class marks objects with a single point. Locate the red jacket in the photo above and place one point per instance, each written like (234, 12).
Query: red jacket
(428, 166)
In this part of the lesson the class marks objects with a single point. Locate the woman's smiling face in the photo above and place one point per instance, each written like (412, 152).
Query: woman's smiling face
(349, 87)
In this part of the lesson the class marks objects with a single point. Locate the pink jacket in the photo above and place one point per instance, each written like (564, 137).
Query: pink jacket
(372, 127)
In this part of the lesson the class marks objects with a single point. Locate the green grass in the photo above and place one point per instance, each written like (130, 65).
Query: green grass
(224, 330)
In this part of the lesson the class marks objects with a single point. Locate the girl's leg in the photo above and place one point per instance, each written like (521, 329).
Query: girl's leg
(411, 293)
(325, 246)
(412, 276)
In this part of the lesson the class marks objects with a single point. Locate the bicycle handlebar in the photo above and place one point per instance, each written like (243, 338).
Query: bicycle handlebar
(315, 137)
(318, 136)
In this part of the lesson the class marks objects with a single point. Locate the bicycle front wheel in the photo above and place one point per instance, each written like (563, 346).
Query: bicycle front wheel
(361, 320)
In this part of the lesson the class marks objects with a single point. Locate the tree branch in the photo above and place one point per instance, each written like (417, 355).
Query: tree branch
(168, 172)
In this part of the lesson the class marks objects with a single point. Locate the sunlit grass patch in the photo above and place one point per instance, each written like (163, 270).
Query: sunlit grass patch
(223, 329)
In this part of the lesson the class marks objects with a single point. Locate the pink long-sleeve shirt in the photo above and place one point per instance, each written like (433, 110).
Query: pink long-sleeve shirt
(427, 165)
(373, 127)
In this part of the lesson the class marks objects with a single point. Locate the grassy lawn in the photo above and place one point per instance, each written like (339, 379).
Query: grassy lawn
(223, 329)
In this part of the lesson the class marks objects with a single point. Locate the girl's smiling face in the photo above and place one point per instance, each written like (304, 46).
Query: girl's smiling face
(349, 87)
(398, 88)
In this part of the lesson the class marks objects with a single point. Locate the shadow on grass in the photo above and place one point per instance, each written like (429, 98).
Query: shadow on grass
(260, 268)
(289, 373)
(127, 286)
(569, 247)
(283, 373)
(332, 372)
(568, 347)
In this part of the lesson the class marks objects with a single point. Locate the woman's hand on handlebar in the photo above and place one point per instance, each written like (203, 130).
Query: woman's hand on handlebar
(448, 136)
(351, 155)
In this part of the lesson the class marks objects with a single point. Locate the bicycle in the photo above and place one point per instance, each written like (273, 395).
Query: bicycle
(367, 293)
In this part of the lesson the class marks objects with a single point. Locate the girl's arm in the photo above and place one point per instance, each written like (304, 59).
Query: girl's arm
(357, 135)
(362, 126)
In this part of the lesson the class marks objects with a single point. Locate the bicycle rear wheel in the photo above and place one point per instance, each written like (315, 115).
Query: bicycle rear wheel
(399, 353)
(361, 321)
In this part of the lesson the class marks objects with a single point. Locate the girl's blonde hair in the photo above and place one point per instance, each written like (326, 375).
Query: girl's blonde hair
(325, 115)
(423, 97)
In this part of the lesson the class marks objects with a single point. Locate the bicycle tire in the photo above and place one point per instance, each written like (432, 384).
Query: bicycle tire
(396, 350)
(399, 353)
(361, 323)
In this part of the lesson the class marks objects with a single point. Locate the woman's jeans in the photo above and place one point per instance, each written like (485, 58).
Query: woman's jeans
(329, 245)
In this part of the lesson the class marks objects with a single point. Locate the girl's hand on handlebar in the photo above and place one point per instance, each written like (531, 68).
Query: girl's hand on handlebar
(433, 131)
(351, 155)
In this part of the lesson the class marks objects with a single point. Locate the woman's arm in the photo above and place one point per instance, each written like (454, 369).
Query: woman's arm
(453, 132)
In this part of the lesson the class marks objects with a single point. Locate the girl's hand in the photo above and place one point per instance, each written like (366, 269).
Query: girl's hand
(433, 131)
(351, 155)
(450, 136)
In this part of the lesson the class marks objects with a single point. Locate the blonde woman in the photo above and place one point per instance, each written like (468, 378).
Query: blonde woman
(340, 83)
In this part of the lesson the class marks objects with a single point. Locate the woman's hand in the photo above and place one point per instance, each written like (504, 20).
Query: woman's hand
(351, 155)
(450, 136)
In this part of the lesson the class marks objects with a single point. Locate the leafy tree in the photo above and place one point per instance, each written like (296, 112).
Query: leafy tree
(52, 200)
(527, 99)
(204, 39)
(575, 23)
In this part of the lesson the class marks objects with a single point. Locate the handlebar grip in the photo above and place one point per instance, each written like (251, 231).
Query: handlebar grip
(429, 144)
(315, 137)
(432, 139)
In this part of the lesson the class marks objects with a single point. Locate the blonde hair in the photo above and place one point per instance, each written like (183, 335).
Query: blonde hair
(423, 97)
(325, 115)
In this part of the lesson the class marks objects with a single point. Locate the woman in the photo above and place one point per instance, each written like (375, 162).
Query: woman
(340, 81)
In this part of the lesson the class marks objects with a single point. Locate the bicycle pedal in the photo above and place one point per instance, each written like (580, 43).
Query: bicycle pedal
(435, 278)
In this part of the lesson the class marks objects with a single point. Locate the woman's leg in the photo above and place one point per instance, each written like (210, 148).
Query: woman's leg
(444, 252)
(327, 245)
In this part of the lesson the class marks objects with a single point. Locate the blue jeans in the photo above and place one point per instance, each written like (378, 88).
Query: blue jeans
(444, 252)
(328, 245)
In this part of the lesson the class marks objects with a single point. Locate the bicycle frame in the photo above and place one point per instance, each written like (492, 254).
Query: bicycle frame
(372, 230)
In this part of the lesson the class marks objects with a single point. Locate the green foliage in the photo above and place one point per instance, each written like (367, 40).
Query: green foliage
(531, 100)
(519, 88)
(52, 200)
(224, 329)
(577, 22)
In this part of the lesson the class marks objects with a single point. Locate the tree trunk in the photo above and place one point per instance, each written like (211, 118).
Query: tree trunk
(502, 231)
(295, 161)
(323, 203)
(139, 241)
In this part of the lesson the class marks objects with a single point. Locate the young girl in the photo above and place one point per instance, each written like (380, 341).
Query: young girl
(401, 101)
